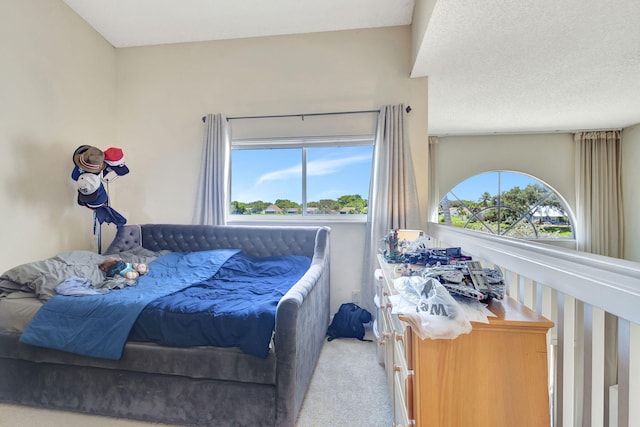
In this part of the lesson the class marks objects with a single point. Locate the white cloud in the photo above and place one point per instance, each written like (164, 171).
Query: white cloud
(315, 168)
(281, 174)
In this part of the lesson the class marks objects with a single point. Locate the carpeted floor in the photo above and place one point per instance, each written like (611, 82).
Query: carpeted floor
(348, 388)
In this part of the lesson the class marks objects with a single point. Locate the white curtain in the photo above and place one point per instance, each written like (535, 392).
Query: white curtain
(599, 193)
(212, 197)
(392, 194)
(434, 196)
(599, 227)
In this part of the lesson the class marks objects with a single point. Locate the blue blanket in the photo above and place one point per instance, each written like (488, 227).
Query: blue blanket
(234, 308)
(98, 325)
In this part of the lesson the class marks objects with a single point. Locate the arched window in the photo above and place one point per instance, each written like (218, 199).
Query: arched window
(508, 204)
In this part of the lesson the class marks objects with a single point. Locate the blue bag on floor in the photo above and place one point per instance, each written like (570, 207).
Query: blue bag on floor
(349, 322)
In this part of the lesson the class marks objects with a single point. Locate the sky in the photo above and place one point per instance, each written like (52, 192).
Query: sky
(332, 172)
(273, 174)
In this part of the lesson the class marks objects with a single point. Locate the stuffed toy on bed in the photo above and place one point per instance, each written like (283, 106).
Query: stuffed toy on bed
(130, 271)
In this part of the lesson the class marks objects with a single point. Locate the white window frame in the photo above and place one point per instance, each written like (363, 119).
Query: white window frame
(303, 143)
(560, 197)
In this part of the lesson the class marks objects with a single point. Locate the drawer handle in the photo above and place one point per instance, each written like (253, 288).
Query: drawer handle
(386, 335)
(396, 368)
(399, 337)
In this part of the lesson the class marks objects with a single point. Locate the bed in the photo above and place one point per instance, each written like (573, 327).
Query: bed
(250, 381)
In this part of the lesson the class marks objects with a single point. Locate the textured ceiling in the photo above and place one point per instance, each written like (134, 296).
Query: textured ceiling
(544, 65)
(494, 66)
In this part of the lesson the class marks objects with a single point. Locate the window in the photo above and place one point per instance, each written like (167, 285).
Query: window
(289, 177)
(508, 204)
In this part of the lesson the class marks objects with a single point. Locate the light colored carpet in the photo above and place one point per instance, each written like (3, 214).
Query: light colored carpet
(348, 388)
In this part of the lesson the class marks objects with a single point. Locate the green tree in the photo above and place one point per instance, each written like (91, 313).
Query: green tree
(485, 199)
(238, 208)
(354, 201)
(327, 206)
(348, 199)
(285, 204)
(258, 206)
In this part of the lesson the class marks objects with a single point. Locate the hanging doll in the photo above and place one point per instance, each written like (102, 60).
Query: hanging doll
(130, 271)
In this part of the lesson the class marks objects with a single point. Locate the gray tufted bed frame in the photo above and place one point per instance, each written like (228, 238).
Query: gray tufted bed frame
(205, 386)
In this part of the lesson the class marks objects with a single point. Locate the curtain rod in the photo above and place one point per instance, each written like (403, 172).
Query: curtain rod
(408, 109)
(524, 132)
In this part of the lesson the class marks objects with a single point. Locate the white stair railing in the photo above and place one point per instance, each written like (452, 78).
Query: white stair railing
(594, 302)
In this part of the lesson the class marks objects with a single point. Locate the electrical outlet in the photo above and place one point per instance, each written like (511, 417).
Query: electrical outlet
(355, 296)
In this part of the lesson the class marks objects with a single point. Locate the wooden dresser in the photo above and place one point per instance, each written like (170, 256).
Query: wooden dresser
(494, 376)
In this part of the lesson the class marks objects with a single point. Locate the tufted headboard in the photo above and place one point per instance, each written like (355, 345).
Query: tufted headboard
(260, 241)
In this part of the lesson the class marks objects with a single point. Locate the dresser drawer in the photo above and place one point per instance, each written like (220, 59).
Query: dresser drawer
(399, 352)
(386, 341)
(402, 338)
(401, 409)
(403, 385)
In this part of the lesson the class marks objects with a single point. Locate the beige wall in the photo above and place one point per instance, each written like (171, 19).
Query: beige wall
(422, 11)
(631, 191)
(163, 91)
(57, 86)
(547, 157)
(64, 86)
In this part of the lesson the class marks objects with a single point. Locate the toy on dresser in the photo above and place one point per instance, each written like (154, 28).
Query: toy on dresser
(392, 251)
(397, 248)
(469, 279)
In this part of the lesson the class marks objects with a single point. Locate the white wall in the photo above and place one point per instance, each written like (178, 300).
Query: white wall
(57, 86)
(163, 91)
(631, 191)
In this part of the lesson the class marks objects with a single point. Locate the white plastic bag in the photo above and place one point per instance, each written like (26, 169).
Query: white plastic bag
(434, 313)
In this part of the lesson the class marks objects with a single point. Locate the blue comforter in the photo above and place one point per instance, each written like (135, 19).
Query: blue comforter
(98, 325)
(219, 297)
(234, 308)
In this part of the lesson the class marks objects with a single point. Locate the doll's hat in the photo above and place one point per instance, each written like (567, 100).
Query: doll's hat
(89, 159)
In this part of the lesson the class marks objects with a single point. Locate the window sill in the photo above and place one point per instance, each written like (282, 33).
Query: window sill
(296, 220)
